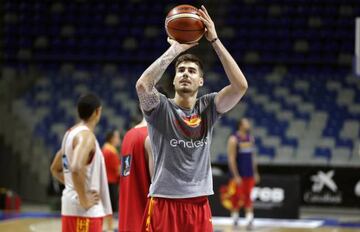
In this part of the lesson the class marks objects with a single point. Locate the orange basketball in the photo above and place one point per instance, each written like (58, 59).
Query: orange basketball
(184, 25)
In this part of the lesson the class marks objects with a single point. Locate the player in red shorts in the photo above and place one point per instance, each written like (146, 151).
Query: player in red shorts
(180, 131)
(243, 167)
(112, 164)
(80, 166)
(136, 169)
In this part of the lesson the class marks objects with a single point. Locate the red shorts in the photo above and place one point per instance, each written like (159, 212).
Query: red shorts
(245, 188)
(177, 215)
(81, 224)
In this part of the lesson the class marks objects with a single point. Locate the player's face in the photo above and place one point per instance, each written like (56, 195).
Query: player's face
(116, 139)
(245, 124)
(188, 77)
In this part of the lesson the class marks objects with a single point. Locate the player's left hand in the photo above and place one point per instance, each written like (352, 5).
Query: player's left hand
(210, 32)
(179, 48)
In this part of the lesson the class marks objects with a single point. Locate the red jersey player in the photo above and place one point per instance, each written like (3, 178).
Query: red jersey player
(112, 163)
(136, 166)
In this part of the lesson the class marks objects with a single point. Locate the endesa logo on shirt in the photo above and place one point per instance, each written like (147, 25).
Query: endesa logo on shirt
(188, 144)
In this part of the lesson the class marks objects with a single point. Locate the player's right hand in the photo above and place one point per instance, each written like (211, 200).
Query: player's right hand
(92, 198)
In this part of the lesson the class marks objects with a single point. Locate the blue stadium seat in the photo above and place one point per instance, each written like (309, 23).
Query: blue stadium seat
(323, 152)
(272, 37)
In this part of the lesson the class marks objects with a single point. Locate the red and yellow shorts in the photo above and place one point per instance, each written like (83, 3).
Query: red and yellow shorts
(81, 224)
(177, 215)
(233, 196)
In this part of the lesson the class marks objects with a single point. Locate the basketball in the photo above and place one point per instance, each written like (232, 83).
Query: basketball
(184, 25)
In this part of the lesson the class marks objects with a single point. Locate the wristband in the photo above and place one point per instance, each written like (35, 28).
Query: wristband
(213, 40)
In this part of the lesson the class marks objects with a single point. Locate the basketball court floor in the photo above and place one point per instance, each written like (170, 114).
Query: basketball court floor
(33, 223)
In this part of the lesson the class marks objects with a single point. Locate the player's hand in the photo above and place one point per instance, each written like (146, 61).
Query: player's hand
(92, 199)
(179, 47)
(237, 180)
(210, 32)
(257, 178)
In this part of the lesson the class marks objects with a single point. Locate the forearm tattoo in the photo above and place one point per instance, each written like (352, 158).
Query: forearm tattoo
(148, 95)
(149, 100)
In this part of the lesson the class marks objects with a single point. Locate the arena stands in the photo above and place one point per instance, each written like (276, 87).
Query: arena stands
(303, 100)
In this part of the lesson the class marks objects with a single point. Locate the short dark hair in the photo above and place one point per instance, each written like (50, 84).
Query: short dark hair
(190, 58)
(109, 136)
(87, 104)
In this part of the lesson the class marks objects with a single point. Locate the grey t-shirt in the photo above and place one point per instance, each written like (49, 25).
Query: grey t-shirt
(181, 140)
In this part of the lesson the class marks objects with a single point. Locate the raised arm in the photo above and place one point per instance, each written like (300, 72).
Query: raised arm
(84, 147)
(145, 86)
(56, 168)
(230, 95)
(231, 151)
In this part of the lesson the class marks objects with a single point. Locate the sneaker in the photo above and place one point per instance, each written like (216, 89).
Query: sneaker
(250, 225)
(235, 223)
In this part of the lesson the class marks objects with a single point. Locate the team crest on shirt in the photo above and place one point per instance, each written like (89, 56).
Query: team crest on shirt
(192, 126)
(192, 121)
(125, 165)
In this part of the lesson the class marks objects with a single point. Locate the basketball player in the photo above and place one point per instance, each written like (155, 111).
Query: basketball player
(243, 168)
(112, 164)
(79, 165)
(136, 170)
(180, 130)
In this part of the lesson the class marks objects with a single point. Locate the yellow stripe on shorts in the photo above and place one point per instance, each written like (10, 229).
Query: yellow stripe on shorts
(148, 218)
